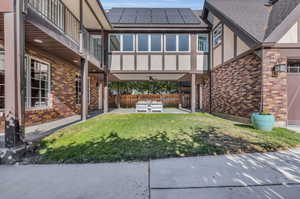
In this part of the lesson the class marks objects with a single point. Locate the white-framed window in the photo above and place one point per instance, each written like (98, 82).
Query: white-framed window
(202, 43)
(2, 86)
(121, 42)
(142, 42)
(78, 89)
(128, 42)
(115, 43)
(156, 42)
(177, 42)
(38, 83)
(183, 42)
(218, 35)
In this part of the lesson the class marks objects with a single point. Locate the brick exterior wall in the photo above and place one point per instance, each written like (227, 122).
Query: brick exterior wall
(274, 86)
(63, 90)
(236, 87)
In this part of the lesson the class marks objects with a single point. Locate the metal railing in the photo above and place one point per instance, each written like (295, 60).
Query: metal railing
(59, 15)
(92, 45)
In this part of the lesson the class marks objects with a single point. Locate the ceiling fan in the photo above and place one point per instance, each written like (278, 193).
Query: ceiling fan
(152, 78)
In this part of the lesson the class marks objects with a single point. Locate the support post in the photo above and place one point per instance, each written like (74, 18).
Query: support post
(100, 94)
(14, 39)
(84, 88)
(193, 93)
(200, 97)
(105, 110)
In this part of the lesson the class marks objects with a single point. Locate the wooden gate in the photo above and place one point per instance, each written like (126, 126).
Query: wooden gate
(294, 95)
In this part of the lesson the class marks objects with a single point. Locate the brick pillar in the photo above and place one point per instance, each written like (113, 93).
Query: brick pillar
(274, 87)
(100, 99)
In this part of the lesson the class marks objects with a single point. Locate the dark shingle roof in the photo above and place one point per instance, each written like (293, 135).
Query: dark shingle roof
(253, 16)
(153, 16)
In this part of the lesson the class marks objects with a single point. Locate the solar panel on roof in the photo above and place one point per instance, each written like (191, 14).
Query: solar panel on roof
(154, 16)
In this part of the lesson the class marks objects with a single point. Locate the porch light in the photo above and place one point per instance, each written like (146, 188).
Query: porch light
(38, 41)
(280, 68)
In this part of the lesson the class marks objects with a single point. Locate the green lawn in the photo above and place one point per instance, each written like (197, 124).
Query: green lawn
(125, 137)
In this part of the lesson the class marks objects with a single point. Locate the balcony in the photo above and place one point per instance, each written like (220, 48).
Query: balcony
(62, 18)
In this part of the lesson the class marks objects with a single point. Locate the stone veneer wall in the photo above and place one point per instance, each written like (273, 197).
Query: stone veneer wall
(236, 87)
(63, 75)
(274, 87)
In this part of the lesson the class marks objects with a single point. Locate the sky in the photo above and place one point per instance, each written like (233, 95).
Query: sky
(194, 4)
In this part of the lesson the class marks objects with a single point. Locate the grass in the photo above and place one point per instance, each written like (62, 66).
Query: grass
(126, 137)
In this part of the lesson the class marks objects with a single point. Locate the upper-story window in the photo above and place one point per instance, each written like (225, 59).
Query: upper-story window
(156, 40)
(128, 42)
(177, 43)
(171, 42)
(37, 75)
(218, 35)
(114, 42)
(184, 42)
(143, 42)
(202, 43)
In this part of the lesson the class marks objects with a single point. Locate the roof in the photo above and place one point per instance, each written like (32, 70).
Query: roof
(253, 16)
(168, 16)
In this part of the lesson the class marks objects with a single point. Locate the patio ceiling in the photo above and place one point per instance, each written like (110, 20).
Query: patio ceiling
(146, 77)
(93, 12)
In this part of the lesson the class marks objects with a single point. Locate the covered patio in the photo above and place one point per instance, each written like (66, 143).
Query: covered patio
(177, 92)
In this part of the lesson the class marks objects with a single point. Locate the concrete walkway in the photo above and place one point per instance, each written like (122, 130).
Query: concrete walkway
(252, 176)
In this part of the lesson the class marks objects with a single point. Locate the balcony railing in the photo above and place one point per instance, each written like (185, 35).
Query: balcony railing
(59, 15)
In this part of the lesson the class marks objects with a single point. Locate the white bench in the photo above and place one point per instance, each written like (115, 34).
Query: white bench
(142, 106)
(157, 107)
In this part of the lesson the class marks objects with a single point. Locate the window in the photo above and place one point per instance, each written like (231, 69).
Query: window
(217, 35)
(96, 46)
(294, 67)
(202, 43)
(78, 90)
(171, 42)
(184, 42)
(37, 75)
(143, 42)
(155, 42)
(2, 78)
(128, 40)
(115, 42)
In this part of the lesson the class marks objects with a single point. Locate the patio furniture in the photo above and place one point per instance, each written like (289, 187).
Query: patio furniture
(157, 106)
(142, 106)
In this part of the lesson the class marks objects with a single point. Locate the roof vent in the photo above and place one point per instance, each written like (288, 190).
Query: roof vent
(270, 2)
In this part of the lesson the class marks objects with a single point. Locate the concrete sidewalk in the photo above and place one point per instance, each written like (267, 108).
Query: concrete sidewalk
(251, 176)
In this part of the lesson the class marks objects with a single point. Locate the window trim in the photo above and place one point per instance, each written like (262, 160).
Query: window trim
(177, 43)
(133, 43)
(207, 36)
(137, 42)
(161, 42)
(121, 43)
(28, 80)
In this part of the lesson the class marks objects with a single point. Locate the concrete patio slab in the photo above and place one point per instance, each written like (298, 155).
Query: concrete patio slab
(213, 171)
(88, 181)
(295, 128)
(261, 192)
(166, 110)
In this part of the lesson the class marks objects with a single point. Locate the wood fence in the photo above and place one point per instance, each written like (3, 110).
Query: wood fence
(169, 100)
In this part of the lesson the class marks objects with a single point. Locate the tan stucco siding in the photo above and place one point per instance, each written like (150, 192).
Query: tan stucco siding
(170, 62)
(202, 62)
(217, 55)
(228, 44)
(128, 62)
(142, 62)
(115, 62)
(241, 46)
(156, 62)
(184, 62)
(291, 36)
